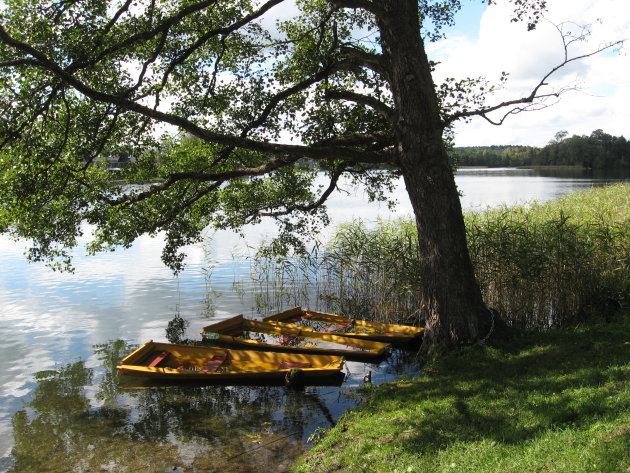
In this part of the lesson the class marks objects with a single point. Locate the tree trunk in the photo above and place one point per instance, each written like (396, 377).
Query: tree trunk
(452, 306)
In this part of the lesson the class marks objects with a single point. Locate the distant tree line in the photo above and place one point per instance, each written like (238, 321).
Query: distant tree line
(597, 151)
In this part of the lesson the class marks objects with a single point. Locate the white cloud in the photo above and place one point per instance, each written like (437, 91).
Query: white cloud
(279, 13)
(604, 80)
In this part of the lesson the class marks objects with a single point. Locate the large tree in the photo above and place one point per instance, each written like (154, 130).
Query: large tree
(207, 101)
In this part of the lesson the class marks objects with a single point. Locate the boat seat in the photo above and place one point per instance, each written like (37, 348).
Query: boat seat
(287, 365)
(285, 339)
(215, 363)
(155, 358)
(337, 327)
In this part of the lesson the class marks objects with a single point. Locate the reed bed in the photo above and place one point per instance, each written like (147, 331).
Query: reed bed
(555, 264)
(541, 265)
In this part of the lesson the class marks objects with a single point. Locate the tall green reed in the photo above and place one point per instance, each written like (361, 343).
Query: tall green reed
(350, 274)
(542, 265)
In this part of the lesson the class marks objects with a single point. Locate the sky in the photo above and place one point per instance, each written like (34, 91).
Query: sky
(484, 43)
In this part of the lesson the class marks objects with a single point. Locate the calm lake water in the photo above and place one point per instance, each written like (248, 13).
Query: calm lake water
(62, 408)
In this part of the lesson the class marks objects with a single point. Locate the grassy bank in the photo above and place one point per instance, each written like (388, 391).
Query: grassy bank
(557, 401)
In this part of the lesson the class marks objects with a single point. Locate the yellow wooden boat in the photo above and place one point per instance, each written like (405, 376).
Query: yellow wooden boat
(291, 338)
(355, 328)
(171, 362)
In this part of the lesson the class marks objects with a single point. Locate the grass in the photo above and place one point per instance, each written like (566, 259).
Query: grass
(557, 401)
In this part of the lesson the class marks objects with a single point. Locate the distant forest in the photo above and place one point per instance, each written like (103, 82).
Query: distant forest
(597, 151)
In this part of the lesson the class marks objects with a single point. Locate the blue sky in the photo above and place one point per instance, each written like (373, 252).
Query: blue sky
(468, 18)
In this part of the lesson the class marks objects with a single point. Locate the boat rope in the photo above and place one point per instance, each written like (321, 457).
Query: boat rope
(262, 445)
(348, 372)
(485, 339)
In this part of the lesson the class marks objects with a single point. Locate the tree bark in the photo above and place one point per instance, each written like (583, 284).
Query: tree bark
(452, 306)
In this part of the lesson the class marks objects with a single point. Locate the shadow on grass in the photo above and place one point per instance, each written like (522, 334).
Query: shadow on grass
(543, 383)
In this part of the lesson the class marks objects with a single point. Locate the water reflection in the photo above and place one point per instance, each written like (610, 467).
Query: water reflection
(72, 424)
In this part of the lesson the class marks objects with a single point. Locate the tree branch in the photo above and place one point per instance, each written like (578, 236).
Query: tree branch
(358, 4)
(100, 143)
(217, 32)
(164, 26)
(376, 104)
(304, 208)
(115, 19)
(18, 62)
(269, 166)
(275, 101)
(363, 139)
(147, 63)
(534, 95)
(36, 114)
(185, 124)
(374, 62)
(183, 205)
(515, 111)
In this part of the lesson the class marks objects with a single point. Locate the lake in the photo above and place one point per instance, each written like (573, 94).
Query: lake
(62, 408)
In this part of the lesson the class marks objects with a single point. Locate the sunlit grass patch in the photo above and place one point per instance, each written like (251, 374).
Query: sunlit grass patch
(555, 402)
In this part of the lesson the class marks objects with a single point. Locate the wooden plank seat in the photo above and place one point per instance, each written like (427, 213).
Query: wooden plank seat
(332, 328)
(155, 358)
(233, 333)
(215, 363)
